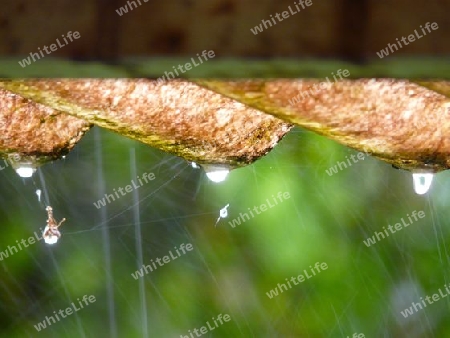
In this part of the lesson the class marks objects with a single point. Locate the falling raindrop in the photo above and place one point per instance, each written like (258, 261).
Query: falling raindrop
(422, 182)
(216, 173)
(38, 193)
(223, 213)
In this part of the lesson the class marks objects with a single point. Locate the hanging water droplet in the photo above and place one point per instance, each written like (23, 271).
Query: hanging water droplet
(25, 172)
(422, 182)
(25, 166)
(216, 173)
(38, 193)
(194, 165)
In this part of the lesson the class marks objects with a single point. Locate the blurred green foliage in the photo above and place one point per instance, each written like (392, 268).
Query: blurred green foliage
(230, 269)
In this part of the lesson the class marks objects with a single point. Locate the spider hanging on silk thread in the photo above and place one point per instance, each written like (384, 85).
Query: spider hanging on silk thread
(51, 233)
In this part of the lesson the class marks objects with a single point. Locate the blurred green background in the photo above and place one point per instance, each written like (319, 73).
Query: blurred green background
(230, 269)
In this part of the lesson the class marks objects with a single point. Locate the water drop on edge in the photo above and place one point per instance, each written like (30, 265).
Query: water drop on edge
(25, 166)
(216, 173)
(25, 172)
(422, 182)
